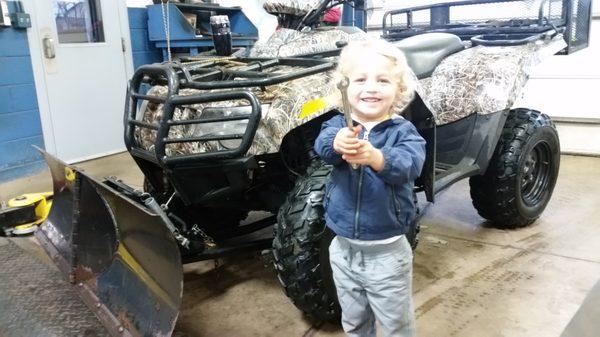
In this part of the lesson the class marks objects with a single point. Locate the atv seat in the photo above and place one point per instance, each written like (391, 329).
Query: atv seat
(425, 51)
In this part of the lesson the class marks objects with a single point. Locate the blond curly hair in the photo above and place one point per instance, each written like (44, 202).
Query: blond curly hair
(400, 70)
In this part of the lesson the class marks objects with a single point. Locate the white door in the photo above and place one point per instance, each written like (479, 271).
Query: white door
(79, 62)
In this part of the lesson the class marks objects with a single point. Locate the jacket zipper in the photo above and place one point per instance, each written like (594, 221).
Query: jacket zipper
(360, 179)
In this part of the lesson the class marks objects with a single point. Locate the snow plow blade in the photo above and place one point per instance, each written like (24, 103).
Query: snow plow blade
(119, 256)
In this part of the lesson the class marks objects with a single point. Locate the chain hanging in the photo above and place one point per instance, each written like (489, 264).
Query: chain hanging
(165, 13)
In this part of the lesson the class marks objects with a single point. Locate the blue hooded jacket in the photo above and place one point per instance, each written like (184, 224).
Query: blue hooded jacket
(365, 204)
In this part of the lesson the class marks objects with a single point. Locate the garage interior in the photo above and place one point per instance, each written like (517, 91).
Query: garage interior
(469, 278)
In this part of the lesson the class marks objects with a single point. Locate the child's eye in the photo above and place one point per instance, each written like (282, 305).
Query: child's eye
(384, 80)
(359, 79)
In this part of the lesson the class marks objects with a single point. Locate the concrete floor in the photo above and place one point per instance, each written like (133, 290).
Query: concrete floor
(469, 279)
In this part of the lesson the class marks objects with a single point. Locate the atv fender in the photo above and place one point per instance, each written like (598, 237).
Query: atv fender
(119, 256)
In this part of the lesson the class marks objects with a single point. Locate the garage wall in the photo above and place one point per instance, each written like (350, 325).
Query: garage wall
(20, 125)
(141, 49)
(565, 88)
(264, 22)
(138, 3)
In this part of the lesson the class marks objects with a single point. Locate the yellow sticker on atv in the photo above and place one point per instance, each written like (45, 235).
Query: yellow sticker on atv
(311, 107)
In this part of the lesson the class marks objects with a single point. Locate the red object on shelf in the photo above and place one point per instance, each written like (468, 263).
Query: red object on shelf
(333, 15)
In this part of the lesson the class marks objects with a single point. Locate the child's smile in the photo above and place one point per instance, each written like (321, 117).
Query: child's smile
(372, 89)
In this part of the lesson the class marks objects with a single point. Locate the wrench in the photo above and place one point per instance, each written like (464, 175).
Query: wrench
(343, 88)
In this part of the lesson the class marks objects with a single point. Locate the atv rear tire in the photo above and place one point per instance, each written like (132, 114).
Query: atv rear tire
(521, 175)
(301, 247)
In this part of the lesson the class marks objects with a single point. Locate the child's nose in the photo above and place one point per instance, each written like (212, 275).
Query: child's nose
(371, 86)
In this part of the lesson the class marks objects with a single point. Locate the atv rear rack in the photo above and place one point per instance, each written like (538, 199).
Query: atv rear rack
(502, 22)
(234, 76)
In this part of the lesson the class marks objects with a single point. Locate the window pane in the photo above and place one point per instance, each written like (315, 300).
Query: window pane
(78, 21)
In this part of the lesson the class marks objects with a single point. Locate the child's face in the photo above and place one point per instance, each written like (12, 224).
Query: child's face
(372, 90)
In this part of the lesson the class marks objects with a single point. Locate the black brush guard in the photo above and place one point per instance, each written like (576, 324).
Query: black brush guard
(571, 17)
(205, 177)
(206, 75)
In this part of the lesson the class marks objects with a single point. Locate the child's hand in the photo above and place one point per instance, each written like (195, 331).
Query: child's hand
(346, 140)
(366, 154)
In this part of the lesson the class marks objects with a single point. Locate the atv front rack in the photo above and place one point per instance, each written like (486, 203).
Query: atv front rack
(499, 22)
(233, 76)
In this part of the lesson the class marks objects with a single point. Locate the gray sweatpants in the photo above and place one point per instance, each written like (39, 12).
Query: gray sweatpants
(374, 282)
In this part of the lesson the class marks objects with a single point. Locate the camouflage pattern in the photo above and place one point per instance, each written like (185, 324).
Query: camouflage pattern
(482, 79)
(291, 7)
(282, 105)
(285, 108)
(477, 80)
(289, 42)
(152, 113)
(270, 48)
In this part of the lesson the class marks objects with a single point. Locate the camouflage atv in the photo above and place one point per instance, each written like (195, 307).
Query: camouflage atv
(217, 138)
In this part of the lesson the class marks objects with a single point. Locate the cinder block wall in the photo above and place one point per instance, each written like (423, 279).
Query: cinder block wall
(20, 125)
(142, 51)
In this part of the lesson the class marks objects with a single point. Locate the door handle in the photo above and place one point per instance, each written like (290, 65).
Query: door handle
(48, 46)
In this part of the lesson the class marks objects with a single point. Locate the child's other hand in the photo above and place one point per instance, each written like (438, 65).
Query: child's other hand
(366, 154)
(346, 140)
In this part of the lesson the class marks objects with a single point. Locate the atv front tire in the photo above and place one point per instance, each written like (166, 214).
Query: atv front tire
(301, 247)
(521, 175)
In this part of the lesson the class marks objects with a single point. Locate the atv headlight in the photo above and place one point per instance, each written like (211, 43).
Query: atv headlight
(225, 128)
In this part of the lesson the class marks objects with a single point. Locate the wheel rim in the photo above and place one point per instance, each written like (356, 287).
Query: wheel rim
(537, 173)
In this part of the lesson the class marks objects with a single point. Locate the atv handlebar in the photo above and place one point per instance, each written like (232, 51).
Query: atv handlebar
(220, 78)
